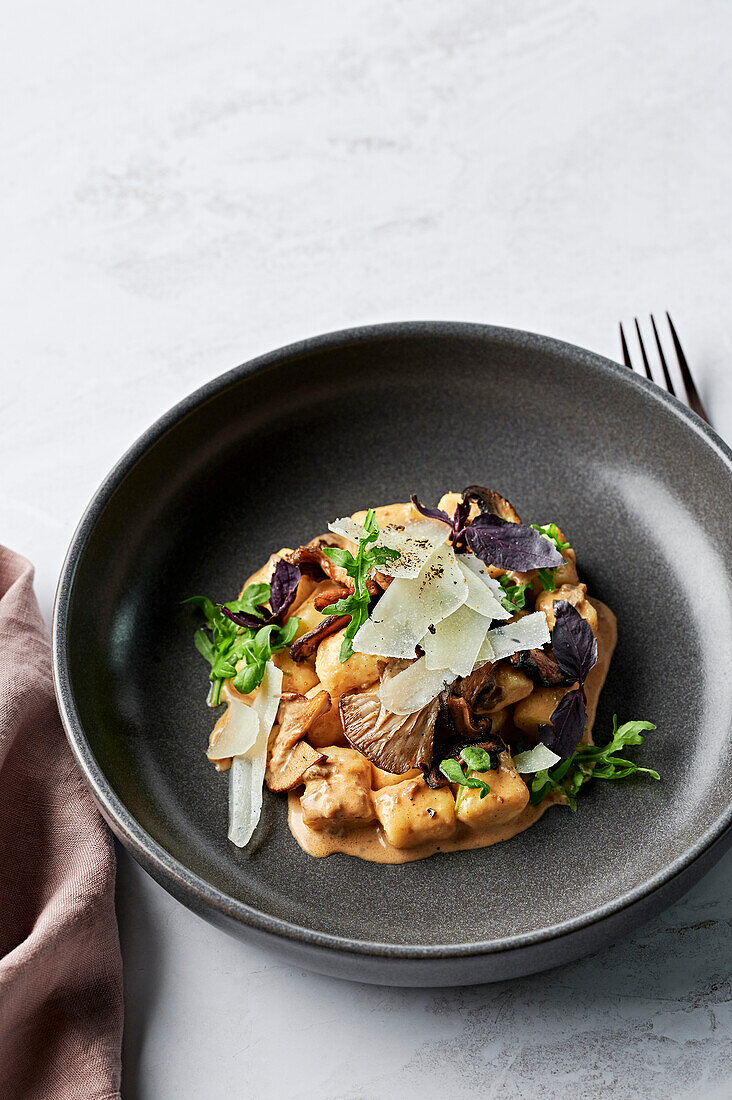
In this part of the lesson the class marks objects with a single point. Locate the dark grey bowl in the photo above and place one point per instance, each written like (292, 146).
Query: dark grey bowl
(262, 457)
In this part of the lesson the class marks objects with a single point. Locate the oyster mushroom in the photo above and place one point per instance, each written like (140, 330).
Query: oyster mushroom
(289, 756)
(393, 742)
(305, 646)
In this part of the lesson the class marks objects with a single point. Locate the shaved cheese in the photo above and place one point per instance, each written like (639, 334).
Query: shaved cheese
(414, 688)
(408, 608)
(239, 729)
(537, 759)
(415, 542)
(456, 641)
(481, 597)
(530, 632)
(246, 776)
(347, 527)
(475, 566)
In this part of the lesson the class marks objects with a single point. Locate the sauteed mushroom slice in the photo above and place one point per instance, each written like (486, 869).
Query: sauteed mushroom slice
(325, 599)
(394, 742)
(305, 647)
(539, 666)
(465, 723)
(488, 500)
(289, 756)
(302, 757)
(312, 561)
(478, 689)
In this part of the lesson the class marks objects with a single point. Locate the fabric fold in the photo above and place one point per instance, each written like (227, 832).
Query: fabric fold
(60, 965)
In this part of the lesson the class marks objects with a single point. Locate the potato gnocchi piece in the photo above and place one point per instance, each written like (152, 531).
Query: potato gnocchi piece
(410, 813)
(337, 791)
(536, 710)
(508, 796)
(576, 594)
(359, 671)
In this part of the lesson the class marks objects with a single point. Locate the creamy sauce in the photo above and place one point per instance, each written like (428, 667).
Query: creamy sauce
(369, 841)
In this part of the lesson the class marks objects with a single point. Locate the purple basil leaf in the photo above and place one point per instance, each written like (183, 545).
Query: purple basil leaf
(568, 720)
(431, 513)
(574, 644)
(283, 587)
(242, 618)
(461, 516)
(508, 545)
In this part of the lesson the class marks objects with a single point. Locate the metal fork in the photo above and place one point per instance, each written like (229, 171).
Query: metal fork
(692, 395)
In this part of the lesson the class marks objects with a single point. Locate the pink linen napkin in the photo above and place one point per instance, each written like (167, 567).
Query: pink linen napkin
(60, 965)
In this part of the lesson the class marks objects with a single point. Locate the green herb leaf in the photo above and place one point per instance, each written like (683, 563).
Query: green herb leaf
(548, 582)
(453, 770)
(359, 567)
(225, 644)
(515, 597)
(593, 762)
(550, 531)
(475, 759)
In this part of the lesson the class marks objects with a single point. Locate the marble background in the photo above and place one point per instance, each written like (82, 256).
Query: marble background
(188, 184)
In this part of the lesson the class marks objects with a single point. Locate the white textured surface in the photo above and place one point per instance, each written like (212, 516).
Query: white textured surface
(186, 185)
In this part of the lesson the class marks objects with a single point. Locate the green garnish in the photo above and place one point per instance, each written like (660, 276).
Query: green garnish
(515, 597)
(475, 760)
(359, 568)
(550, 531)
(224, 643)
(570, 774)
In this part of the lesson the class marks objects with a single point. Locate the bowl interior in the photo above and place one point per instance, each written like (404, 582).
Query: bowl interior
(265, 459)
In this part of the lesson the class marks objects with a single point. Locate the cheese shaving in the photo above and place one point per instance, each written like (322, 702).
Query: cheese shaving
(529, 632)
(537, 759)
(482, 596)
(408, 608)
(414, 688)
(455, 642)
(246, 776)
(415, 542)
(239, 729)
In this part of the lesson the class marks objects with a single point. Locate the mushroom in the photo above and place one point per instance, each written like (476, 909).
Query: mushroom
(289, 756)
(479, 690)
(393, 742)
(464, 722)
(488, 500)
(306, 645)
(325, 599)
(302, 757)
(311, 561)
(540, 667)
(456, 728)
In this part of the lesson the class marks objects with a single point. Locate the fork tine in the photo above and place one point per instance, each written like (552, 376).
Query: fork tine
(624, 345)
(691, 391)
(662, 357)
(646, 364)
